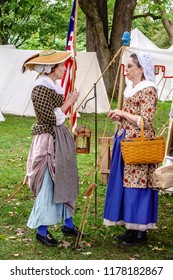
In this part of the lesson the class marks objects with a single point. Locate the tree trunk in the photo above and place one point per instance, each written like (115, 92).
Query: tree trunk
(97, 33)
(122, 21)
(168, 24)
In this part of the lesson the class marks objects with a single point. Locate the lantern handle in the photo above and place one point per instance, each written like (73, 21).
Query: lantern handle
(84, 106)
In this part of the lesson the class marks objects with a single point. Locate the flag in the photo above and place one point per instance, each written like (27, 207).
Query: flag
(70, 73)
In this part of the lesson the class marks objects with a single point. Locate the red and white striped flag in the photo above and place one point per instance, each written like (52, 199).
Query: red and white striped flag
(70, 74)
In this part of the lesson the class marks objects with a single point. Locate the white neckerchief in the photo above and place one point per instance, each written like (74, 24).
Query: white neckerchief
(47, 82)
(130, 90)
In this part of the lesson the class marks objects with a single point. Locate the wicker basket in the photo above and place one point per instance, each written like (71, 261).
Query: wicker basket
(143, 150)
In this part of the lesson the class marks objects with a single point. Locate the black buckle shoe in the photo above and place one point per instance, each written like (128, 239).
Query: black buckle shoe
(125, 236)
(138, 238)
(71, 231)
(48, 239)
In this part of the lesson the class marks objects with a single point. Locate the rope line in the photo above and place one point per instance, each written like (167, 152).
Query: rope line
(112, 61)
(11, 196)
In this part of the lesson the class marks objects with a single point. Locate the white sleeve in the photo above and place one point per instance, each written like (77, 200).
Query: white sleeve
(60, 116)
(139, 121)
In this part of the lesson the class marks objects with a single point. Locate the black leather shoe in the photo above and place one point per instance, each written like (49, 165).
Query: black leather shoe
(138, 238)
(48, 239)
(71, 231)
(125, 236)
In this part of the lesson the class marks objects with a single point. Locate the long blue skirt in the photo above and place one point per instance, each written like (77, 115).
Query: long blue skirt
(136, 208)
(45, 211)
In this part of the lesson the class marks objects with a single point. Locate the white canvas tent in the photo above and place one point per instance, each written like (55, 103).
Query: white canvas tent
(15, 87)
(161, 57)
(1, 117)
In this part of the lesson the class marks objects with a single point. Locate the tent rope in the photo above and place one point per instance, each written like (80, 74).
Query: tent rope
(22, 183)
(162, 87)
(87, 195)
(110, 63)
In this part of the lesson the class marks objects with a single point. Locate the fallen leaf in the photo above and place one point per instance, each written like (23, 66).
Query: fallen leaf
(158, 249)
(27, 239)
(12, 237)
(164, 227)
(87, 253)
(20, 231)
(87, 244)
(12, 213)
(18, 203)
(64, 244)
(136, 256)
(15, 255)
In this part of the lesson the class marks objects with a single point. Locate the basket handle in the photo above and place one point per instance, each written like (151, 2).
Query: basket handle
(142, 128)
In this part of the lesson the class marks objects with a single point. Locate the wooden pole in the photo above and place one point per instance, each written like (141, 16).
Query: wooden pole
(121, 90)
(74, 62)
(126, 42)
(120, 94)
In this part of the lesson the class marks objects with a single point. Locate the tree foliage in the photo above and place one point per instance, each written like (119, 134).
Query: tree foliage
(155, 20)
(41, 23)
(144, 13)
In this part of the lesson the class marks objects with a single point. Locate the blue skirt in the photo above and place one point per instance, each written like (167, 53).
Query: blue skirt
(45, 211)
(136, 208)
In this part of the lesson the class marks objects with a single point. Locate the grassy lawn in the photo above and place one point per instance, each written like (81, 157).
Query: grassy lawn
(18, 242)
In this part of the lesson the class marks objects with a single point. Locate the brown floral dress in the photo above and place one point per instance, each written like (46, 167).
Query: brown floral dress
(143, 103)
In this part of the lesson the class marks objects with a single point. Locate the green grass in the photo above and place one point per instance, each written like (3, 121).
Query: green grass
(18, 242)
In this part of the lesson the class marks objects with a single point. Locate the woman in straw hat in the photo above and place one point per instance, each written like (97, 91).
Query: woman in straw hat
(130, 199)
(51, 165)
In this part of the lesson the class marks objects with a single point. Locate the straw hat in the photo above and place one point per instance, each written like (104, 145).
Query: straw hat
(48, 57)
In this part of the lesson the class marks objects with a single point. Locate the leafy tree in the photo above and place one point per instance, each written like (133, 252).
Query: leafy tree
(38, 24)
(106, 22)
(155, 20)
(42, 20)
(105, 39)
(17, 21)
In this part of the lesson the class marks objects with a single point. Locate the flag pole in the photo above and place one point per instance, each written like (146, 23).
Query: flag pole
(74, 62)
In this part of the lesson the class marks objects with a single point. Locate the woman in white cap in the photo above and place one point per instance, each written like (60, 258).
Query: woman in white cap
(130, 199)
(51, 166)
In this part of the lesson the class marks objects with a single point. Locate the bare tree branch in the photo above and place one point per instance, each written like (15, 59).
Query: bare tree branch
(148, 14)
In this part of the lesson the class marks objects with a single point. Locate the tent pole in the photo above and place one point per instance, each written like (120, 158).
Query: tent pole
(126, 42)
(120, 95)
(121, 90)
(95, 96)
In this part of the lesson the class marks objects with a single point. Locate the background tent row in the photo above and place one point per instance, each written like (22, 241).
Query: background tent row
(15, 87)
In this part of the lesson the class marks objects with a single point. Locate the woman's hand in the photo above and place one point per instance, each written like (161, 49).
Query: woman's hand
(116, 115)
(73, 97)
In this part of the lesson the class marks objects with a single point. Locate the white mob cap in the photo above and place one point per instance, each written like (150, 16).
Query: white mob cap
(147, 64)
